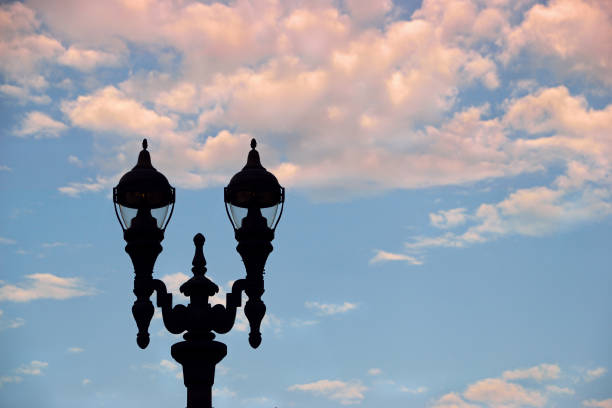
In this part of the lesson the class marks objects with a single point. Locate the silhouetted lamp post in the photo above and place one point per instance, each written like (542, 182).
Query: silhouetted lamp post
(144, 202)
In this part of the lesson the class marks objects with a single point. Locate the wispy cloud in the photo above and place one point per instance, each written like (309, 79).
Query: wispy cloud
(417, 390)
(559, 390)
(595, 373)
(165, 366)
(347, 393)
(4, 167)
(449, 218)
(331, 309)
(45, 286)
(7, 241)
(375, 371)
(35, 367)
(75, 350)
(75, 189)
(75, 160)
(539, 373)
(53, 244)
(607, 403)
(7, 379)
(384, 256)
(10, 323)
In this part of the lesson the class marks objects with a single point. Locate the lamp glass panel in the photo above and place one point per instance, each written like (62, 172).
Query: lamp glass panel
(270, 214)
(127, 214)
(238, 213)
(160, 215)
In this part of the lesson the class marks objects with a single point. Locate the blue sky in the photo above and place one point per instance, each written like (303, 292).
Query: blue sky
(446, 237)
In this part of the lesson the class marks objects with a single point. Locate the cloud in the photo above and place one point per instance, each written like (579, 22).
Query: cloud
(563, 30)
(448, 219)
(7, 241)
(223, 392)
(503, 392)
(4, 167)
(539, 373)
(40, 126)
(384, 256)
(53, 244)
(418, 390)
(347, 393)
(10, 324)
(165, 366)
(598, 403)
(110, 110)
(559, 390)
(86, 59)
(331, 309)
(595, 373)
(75, 160)
(74, 189)
(173, 283)
(375, 371)
(86, 381)
(559, 125)
(75, 350)
(7, 379)
(499, 393)
(45, 286)
(35, 367)
(452, 400)
(368, 10)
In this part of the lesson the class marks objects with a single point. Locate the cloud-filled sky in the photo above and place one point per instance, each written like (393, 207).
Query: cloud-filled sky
(447, 235)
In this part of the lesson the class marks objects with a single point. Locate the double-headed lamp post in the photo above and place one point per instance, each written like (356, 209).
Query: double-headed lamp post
(144, 202)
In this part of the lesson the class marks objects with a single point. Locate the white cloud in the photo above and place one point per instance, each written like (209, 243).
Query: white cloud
(223, 392)
(4, 167)
(539, 373)
(86, 59)
(559, 390)
(598, 403)
(165, 366)
(40, 126)
(173, 283)
(384, 256)
(7, 379)
(449, 218)
(11, 323)
(498, 393)
(375, 371)
(86, 381)
(564, 31)
(110, 110)
(35, 367)
(330, 309)
(75, 350)
(75, 189)
(417, 390)
(7, 241)
(595, 373)
(53, 244)
(347, 393)
(452, 400)
(45, 286)
(75, 160)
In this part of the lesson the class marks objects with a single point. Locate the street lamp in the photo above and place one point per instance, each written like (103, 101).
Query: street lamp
(144, 202)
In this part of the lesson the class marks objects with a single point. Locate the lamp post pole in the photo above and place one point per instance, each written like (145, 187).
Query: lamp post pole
(142, 200)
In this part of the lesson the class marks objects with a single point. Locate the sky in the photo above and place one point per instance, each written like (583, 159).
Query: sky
(447, 235)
